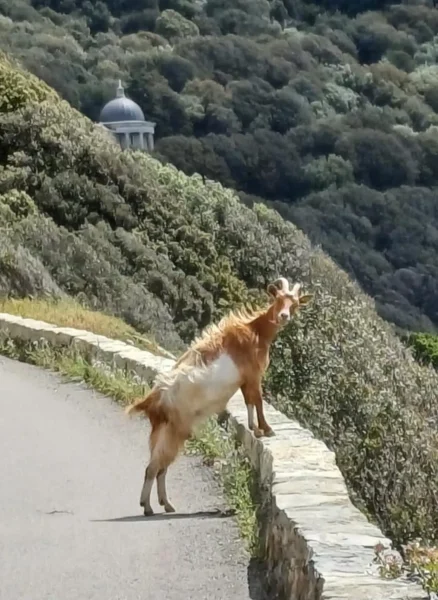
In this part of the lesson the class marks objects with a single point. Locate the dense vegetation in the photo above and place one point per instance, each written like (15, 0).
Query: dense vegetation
(330, 117)
(132, 237)
(425, 347)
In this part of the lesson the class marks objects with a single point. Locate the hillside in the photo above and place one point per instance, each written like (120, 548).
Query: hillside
(122, 233)
(330, 117)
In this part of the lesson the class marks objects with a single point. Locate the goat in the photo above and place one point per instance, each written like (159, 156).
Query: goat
(227, 356)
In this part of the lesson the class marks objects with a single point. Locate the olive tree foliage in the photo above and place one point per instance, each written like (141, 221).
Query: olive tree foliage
(172, 25)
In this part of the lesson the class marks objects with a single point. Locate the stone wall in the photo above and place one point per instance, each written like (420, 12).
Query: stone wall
(317, 544)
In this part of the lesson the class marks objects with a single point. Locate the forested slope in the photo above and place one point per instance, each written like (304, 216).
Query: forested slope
(330, 116)
(129, 236)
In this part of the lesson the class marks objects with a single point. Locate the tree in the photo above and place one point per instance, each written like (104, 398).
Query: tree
(172, 26)
(379, 159)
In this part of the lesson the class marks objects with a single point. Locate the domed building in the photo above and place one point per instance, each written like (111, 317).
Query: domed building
(125, 120)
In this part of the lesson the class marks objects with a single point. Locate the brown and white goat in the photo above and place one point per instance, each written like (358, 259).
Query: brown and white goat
(229, 355)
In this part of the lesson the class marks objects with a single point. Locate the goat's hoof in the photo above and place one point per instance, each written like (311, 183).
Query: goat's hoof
(167, 506)
(269, 432)
(258, 433)
(148, 512)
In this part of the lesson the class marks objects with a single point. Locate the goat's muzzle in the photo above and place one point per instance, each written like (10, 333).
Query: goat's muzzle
(284, 317)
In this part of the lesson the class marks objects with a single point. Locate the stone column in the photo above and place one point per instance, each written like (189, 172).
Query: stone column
(127, 140)
(150, 142)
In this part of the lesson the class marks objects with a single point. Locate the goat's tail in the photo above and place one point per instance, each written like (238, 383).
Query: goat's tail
(151, 405)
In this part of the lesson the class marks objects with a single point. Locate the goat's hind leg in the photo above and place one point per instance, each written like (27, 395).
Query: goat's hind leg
(165, 444)
(162, 493)
(151, 470)
(149, 478)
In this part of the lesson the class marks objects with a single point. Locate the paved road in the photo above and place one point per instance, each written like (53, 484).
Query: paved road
(71, 468)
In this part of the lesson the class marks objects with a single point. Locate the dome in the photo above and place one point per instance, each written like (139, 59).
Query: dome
(121, 109)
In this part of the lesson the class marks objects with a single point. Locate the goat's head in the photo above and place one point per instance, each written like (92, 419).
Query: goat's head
(286, 301)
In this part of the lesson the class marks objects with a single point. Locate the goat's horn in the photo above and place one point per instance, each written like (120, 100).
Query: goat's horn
(282, 283)
(296, 289)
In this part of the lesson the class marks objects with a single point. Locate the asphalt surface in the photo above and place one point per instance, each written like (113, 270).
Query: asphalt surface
(71, 528)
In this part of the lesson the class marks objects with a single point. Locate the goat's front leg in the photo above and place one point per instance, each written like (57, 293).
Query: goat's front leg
(252, 392)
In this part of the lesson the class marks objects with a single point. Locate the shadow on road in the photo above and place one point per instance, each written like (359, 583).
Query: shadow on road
(256, 568)
(202, 514)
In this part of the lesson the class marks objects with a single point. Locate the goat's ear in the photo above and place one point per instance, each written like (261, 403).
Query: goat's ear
(272, 290)
(305, 299)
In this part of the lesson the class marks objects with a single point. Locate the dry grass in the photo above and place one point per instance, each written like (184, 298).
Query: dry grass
(68, 313)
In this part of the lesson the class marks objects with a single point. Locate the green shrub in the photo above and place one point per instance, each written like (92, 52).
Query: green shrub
(344, 375)
(21, 273)
(18, 88)
(19, 203)
(425, 347)
(172, 25)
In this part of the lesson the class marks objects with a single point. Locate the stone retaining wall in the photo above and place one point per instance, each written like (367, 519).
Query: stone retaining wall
(317, 544)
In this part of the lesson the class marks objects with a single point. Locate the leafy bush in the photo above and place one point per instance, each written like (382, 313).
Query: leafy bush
(19, 203)
(22, 274)
(17, 88)
(425, 347)
(171, 24)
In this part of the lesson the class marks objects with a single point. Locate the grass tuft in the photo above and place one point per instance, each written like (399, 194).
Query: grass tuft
(238, 478)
